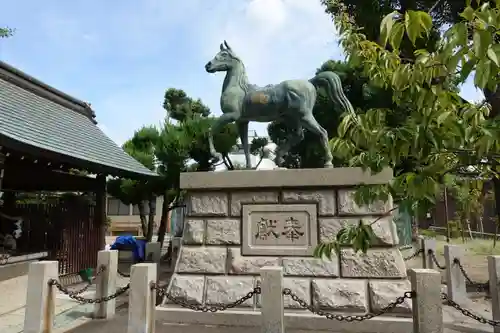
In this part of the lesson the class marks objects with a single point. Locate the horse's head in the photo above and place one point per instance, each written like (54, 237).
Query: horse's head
(223, 61)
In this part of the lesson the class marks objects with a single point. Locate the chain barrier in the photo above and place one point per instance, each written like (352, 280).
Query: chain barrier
(414, 255)
(406, 247)
(81, 299)
(162, 292)
(84, 289)
(434, 259)
(125, 275)
(75, 294)
(348, 318)
(480, 286)
(4, 258)
(468, 313)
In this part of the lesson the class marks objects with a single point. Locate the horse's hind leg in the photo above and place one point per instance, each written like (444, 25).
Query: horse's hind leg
(309, 122)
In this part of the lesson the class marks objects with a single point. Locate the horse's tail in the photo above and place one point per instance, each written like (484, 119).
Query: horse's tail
(334, 89)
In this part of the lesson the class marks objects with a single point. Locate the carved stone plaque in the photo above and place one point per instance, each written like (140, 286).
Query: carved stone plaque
(279, 230)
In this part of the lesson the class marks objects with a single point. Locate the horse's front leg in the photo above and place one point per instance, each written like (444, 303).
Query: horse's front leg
(220, 122)
(243, 131)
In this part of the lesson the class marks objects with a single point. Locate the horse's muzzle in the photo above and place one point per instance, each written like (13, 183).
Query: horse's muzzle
(208, 67)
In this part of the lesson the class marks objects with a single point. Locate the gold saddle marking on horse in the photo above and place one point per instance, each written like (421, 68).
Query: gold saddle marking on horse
(259, 98)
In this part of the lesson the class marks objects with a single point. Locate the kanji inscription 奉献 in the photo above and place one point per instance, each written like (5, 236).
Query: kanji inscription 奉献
(284, 230)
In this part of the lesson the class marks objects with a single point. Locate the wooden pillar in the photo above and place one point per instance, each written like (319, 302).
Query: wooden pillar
(100, 209)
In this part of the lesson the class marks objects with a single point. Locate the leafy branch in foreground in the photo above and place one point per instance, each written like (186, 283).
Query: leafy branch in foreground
(440, 135)
(359, 237)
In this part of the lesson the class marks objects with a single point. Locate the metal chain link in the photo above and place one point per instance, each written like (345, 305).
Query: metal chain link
(414, 255)
(468, 313)
(125, 275)
(75, 294)
(84, 300)
(84, 289)
(434, 259)
(348, 318)
(480, 287)
(162, 291)
(4, 258)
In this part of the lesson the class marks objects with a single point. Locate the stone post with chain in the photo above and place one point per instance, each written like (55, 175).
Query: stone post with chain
(426, 245)
(455, 279)
(141, 311)
(426, 304)
(40, 297)
(106, 283)
(272, 310)
(494, 274)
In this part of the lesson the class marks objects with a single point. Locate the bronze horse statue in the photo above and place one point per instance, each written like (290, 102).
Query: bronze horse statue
(290, 101)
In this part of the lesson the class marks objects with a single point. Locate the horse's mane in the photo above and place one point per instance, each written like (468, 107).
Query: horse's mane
(243, 78)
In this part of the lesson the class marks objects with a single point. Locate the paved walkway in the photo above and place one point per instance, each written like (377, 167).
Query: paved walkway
(68, 312)
(454, 322)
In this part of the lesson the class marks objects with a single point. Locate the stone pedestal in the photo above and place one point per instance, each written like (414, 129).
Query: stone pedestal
(240, 221)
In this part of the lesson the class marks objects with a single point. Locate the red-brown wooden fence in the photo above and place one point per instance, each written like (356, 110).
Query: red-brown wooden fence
(68, 231)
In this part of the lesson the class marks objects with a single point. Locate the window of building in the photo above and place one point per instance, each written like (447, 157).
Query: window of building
(116, 207)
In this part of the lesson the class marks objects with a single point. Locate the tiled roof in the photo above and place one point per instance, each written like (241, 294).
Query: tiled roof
(28, 117)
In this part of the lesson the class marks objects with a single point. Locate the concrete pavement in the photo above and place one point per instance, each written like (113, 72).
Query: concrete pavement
(67, 311)
(454, 323)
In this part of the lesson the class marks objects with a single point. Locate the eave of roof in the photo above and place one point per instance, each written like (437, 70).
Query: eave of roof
(38, 119)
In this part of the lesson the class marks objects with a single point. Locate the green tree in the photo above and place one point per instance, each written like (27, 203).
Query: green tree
(368, 14)
(441, 134)
(141, 193)
(193, 117)
(6, 32)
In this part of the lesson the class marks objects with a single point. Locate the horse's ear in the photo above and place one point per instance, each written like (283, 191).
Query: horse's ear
(227, 46)
(221, 47)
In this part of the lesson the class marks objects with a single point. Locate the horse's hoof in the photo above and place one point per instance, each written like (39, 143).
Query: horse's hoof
(216, 158)
(328, 165)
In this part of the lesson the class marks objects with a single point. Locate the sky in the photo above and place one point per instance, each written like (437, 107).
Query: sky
(121, 55)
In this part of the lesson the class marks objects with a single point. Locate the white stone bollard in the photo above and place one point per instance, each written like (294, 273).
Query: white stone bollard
(426, 303)
(426, 245)
(153, 252)
(272, 309)
(153, 255)
(455, 280)
(494, 274)
(141, 310)
(40, 297)
(106, 283)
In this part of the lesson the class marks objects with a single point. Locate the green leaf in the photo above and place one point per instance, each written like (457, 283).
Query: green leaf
(482, 76)
(386, 26)
(442, 117)
(425, 21)
(493, 56)
(461, 33)
(481, 42)
(466, 70)
(468, 13)
(413, 25)
(396, 36)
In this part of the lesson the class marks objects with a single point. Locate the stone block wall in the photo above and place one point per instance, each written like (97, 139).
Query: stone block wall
(211, 268)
